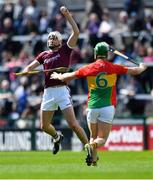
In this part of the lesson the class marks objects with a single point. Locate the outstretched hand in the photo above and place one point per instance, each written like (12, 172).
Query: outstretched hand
(55, 75)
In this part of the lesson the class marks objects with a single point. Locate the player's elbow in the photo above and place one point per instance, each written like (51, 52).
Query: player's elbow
(78, 32)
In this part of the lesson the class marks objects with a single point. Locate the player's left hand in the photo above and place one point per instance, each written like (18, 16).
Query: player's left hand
(143, 66)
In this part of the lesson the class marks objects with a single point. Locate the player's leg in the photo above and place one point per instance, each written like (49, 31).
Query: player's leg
(92, 125)
(93, 128)
(46, 126)
(103, 133)
(65, 104)
(105, 120)
(104, 124)
(74, 125)
(48, 106)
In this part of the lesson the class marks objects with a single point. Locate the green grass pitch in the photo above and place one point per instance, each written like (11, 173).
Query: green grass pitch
(71, 165)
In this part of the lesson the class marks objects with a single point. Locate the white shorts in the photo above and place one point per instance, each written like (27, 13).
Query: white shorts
(56, 96)
(105, 114)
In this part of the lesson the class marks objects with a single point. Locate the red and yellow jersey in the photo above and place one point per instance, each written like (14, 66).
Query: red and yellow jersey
(101, 77)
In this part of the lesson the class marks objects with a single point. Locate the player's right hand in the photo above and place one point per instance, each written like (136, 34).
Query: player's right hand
(143, 66)
(25, 71)
(64, 10)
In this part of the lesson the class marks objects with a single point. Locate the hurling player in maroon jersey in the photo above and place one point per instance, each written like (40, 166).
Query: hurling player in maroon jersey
(56, 92)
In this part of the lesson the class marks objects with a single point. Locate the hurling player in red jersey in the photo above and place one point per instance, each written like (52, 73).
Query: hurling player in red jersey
(56, 92)
(101, 77)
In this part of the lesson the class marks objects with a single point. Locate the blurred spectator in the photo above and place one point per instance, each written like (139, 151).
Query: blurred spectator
(121, 29)
(138, 51)
(134, 6)
(32, 11)
(106, 26)
(8, 61)
(21, 94)
(139, 54)
(58, 23)
(86, 55)
(28, 118)
(149, 56)
(43, 22)
(23, 58)
(135, 23)
(28, 27)
(133, 87)
(6, 33)
(53, 7)
(36, 88)
(19, 9)
(148, 19)
(6, 98)
(37, 45)
(7, 11)
(148, 77)
(93, 28)
(93, 6)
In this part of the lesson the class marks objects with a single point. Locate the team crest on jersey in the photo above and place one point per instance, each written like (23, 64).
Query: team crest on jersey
(54, 58)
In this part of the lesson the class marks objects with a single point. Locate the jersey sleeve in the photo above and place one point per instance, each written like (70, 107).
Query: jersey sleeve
(119, 69)
(39, 58)
(82, 72)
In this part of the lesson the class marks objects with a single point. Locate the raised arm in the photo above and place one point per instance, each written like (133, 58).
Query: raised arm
(137, 70)
(75, 30)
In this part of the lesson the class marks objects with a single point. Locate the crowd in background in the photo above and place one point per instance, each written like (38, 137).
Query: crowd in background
(23, 34)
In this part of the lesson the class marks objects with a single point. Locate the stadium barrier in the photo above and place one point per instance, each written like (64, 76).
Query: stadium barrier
(126, 135)
(30, 139)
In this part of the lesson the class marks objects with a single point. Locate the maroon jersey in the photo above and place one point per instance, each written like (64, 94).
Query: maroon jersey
(50, 60)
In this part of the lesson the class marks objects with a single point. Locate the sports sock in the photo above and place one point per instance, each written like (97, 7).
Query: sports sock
(91, 140)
